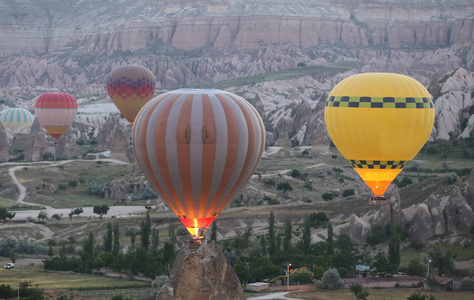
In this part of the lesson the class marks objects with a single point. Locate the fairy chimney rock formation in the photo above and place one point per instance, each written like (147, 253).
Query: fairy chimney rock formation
(36, 145)
(3, 144)
(202, 275)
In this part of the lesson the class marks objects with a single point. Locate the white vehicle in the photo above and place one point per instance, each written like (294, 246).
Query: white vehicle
(9, 266)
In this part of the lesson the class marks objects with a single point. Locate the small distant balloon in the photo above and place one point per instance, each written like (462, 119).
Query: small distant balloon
(198, 148)
(14, 118)
(379, 122)
(56, 112)
(130, 88)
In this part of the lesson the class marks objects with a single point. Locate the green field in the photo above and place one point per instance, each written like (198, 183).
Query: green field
(379, 294)
(60, 280)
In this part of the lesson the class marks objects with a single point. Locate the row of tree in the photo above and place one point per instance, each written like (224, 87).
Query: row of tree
(147, 259)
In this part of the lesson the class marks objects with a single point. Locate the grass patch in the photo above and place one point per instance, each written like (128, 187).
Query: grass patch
(386, 294)
(314, 71)
(60, 280)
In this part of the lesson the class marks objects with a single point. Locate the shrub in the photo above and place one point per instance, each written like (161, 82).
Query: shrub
(327, 196)
(417, 245)
(97, 188)
(467, 284)
(72, 183)
(418, 296)
(405, 181)
(308, 186)
(284, 186)
(62, 187)
(348, 192)
(295, 173)
(330, 280)
(269, 182)
(416, 268)
(149, 193)
(450, 178)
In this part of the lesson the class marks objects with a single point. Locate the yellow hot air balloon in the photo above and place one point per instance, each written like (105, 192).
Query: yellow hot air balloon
(379, 122)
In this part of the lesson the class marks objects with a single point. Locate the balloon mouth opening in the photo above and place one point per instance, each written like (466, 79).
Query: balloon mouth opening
(197, 226)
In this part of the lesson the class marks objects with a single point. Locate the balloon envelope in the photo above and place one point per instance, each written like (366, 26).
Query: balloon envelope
(130, 87)
(56, 112)
(14, 118)
(197, 149)
(379, 122)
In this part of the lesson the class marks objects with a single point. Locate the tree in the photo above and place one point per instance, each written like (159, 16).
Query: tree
(327, 196)
(330, 240)
(271, 233)
(287, 237)
(168, 253)
(359, 291)
(318, 219)
(172, 234)
(381, 264)
(306, 239)
(75, 211)
(263, 245)
(419, 296)
(347, 193)
(5, 216)
(242, 271)
(444, 262)
(394, 248)
(330, 280)
(132, 232)
(155, 239)
(145, 231)
(13, 255)
(214, 231)
(50, 251)
(284, 186)
(62, 251)
(72, 183)
(6, 291)
(101, 210)
(87, 253)
(416, 268)
(42, 215)
(116, 245)
(295, 173)
(108, 238)
(57, 217)
(278, 243)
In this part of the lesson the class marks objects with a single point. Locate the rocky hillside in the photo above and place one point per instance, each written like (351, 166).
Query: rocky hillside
(243, 47)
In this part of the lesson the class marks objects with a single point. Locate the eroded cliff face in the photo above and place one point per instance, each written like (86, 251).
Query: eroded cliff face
(72, 45)
(107, 26)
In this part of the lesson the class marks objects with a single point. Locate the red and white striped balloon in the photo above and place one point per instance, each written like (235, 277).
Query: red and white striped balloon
(55, 112)
(198, 148)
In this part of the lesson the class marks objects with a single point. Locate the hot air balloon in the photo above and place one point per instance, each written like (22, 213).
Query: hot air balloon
(379, 122)
(14, 118)
(56, 112)
(198, 148)
(130, 87)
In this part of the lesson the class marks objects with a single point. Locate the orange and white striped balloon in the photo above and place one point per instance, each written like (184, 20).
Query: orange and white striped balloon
(198, 148)
(56, 112)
